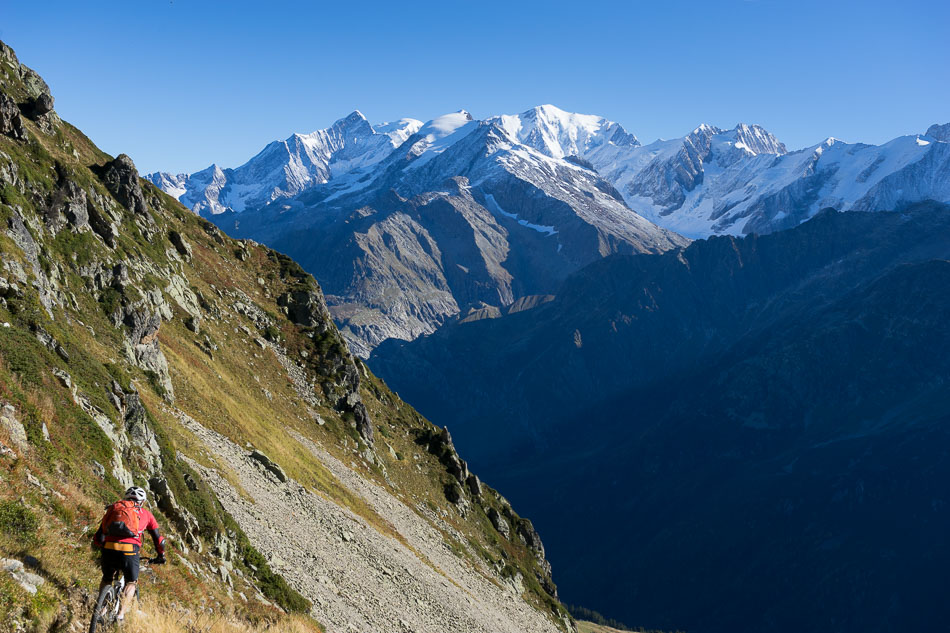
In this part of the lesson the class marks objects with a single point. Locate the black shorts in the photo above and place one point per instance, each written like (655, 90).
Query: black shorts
(125, 562)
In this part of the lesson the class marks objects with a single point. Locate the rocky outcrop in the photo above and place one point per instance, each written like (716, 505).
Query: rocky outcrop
(441, 445)
(184, 521)
(143, 350)
(46, 284)
(499, 523)
(69, 207)
(180, 244)
(306, 308)
(27, 580)
(14, 429)
(122, 180)
(268, 465)
(10, 122)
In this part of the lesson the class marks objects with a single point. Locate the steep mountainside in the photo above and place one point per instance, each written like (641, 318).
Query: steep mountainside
(138, 344)
(751, 427)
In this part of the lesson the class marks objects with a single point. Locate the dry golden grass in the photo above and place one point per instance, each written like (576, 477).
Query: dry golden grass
(150, 616)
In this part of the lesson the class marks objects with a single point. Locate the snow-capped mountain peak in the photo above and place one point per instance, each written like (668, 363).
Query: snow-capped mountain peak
(757, 140)
(444, 125)
(712, 180)
(559, 134)
(285, 168)
(398, 131)
(440, 133)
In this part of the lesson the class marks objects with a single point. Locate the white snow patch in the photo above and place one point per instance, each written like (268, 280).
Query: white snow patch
(540, 228)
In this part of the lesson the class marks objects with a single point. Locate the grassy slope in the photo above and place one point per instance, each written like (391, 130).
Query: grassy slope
(224, 391)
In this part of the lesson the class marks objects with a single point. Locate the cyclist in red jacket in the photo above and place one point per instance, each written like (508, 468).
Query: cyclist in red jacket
(122, 554)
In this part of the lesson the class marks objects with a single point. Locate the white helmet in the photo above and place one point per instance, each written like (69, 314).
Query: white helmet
(135, 494)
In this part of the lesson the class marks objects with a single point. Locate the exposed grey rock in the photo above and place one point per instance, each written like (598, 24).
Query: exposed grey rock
(10, 122)
(6, 451)
(122, 180)
(63, 377)
(44, 283)
(185, 522)
(268, 464)
(16, 431)
(143, 348)
(441, 445)
(474, 485)
(139, 432)
(29, 581)
(182, 294)
(499, 522)
(305, 307)
(453, 492)
(42, 104)
(100, 221)
(180, 244)
(69, 206)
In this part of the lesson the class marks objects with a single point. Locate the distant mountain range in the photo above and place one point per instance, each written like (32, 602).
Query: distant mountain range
(411, 225)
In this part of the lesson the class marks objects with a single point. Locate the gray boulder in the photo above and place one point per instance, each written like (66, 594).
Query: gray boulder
(268, 465)
(122, 180)
(29, 581)
(42, 105)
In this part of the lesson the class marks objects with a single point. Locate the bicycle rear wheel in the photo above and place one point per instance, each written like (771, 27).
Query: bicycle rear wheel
(103, 615)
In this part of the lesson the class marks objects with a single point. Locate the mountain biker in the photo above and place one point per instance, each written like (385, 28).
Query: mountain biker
(120, 547)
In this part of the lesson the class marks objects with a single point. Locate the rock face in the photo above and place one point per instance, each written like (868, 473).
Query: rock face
(13, 428)
(10, 122)
(708, 402)
(122, 180)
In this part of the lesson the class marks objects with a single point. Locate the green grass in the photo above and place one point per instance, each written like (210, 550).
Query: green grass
(18, 522)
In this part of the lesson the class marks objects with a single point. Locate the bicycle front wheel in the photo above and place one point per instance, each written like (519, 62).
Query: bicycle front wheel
(104, 614)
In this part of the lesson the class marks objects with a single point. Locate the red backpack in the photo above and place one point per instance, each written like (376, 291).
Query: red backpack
(121, 520)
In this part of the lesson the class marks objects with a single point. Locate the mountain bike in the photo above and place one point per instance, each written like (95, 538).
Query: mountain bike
(105, 615)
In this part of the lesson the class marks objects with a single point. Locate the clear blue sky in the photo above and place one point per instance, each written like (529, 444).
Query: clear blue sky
(181, 84)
